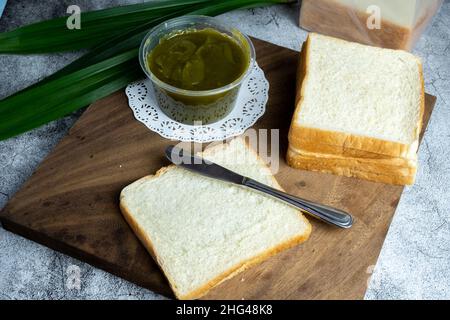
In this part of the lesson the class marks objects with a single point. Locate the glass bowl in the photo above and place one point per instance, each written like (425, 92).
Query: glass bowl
(190, 106)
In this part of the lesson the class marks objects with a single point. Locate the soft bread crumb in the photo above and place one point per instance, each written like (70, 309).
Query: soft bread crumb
(362, 90)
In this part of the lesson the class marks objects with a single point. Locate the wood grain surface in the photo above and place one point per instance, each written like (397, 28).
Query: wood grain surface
(70, 203)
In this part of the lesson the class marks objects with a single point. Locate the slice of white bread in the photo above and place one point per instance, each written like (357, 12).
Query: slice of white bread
(345, 151)
(202, 231)
(358, 97)
(352, 168)
(386, 162)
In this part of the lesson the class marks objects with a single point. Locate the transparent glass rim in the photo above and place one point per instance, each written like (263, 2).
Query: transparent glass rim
(194, 19)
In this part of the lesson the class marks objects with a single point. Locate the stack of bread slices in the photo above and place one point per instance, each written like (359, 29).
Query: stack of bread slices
(359, 111)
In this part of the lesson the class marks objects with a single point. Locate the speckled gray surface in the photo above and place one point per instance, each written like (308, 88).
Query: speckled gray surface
(415, 259)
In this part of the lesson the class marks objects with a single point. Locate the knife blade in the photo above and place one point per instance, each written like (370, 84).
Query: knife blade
(202, 166)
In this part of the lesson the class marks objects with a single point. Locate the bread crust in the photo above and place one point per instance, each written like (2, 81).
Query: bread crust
(350, 142)
(300, 135)
(323, 148)
(387, 162)
(350, 170)
(353, 163)
(243, 265)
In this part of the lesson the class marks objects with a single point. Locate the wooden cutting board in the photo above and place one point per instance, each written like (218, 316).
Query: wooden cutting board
(70, 203)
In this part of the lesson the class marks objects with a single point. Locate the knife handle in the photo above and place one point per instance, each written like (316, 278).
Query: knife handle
(325, 213)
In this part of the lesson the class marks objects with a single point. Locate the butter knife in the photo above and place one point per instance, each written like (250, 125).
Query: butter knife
(207, 168)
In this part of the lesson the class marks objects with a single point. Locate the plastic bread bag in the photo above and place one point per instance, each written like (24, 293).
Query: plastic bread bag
(395, 24)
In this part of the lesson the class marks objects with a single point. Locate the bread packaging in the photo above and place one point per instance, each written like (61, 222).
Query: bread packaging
(395, 24)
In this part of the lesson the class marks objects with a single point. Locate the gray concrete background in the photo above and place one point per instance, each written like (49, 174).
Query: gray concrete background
(415, 259)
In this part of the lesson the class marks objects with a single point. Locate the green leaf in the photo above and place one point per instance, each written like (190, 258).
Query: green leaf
(101, 89)
(96, 26)
(59, 97)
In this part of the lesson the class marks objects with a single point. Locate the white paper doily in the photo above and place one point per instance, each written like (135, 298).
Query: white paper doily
(250, 106)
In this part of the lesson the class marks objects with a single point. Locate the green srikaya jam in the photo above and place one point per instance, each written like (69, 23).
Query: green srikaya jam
(198, 59)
